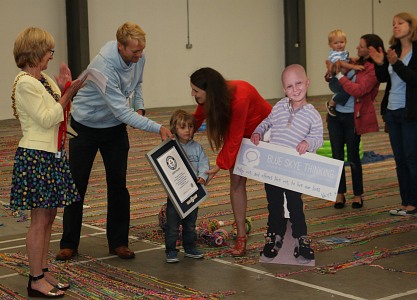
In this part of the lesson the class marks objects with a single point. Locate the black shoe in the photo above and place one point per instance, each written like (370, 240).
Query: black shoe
(59, 285)
(339, 205)
(38, 294)
(411, 212)
(272, 245)
(303, 248)
(357, 204)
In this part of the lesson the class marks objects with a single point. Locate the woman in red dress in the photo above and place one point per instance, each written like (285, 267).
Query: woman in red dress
(232, 110)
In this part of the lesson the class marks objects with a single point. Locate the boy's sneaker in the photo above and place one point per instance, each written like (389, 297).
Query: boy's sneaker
(172, 257)
(331, 110)
(303, 249)
(272, 245)
(193, 253)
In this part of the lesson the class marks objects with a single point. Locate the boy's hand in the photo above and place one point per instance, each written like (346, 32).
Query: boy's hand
(201, 180)
(255, 138)
(302, 147)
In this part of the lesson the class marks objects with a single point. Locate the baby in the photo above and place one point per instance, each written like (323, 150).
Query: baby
(338, 55)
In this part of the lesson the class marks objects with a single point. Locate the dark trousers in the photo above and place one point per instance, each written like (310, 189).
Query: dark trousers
(172, 229)
(113, 144)
(342, 131)
(340, 96)
(403, 138)
(276, 221)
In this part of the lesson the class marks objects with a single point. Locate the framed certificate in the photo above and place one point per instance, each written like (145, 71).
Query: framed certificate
(177, 176)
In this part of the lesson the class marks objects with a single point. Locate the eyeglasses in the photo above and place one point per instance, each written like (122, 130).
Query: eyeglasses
(52, 51)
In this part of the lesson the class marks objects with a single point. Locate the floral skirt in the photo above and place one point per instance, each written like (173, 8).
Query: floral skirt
(40, 180)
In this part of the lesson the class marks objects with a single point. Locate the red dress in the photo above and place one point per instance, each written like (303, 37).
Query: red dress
(248, 110)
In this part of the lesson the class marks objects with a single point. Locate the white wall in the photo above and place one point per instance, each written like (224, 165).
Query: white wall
(356, 18)
(16, 15)
(243, 39)
(240, 38)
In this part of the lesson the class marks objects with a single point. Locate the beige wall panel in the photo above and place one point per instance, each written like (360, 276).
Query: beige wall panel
(15, 16)
(242, 39)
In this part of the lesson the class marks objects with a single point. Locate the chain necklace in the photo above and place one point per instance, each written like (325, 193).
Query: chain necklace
(44, 82)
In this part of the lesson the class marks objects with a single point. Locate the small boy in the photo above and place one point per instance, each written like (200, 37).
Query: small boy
(338, 55)
(182, 125)
(296, 124)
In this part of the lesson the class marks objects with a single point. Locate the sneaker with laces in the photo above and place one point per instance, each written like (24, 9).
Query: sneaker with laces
(303, 248)
(273, 243)
(172, 257)
(193, 253)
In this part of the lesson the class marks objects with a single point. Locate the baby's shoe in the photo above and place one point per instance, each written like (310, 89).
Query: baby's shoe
(273, 243)
(331, 110)
(303, 249)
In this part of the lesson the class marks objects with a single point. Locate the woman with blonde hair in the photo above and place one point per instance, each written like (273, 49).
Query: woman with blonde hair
(41, 180)
(398, 68)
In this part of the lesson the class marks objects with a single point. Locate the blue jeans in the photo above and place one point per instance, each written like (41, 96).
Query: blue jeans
(342, 131)
(403, 138)
(172, 229)
(113, 144)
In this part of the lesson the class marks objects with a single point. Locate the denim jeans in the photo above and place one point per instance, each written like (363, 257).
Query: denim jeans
(172, 229)
(113, 144)
(403, 138)
(342, 131)
(276, 220)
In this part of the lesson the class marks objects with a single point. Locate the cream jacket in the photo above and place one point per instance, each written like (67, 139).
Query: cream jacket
(39, 114)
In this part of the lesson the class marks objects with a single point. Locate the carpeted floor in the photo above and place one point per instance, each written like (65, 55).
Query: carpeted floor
(364, 231)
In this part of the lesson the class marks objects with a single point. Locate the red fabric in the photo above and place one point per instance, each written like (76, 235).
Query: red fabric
(364, 90)
(248, 110)
(62, 132)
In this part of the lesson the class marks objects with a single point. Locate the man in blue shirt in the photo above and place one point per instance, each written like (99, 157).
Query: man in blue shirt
(99, 118)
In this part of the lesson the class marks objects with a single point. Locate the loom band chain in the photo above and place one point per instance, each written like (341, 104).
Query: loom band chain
(349, 215)
(393, 270)
(258, 245)
(324, 233)
(7, 293)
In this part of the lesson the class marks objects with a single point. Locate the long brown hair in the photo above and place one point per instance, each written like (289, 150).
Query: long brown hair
(371, 40)
(217, 107)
